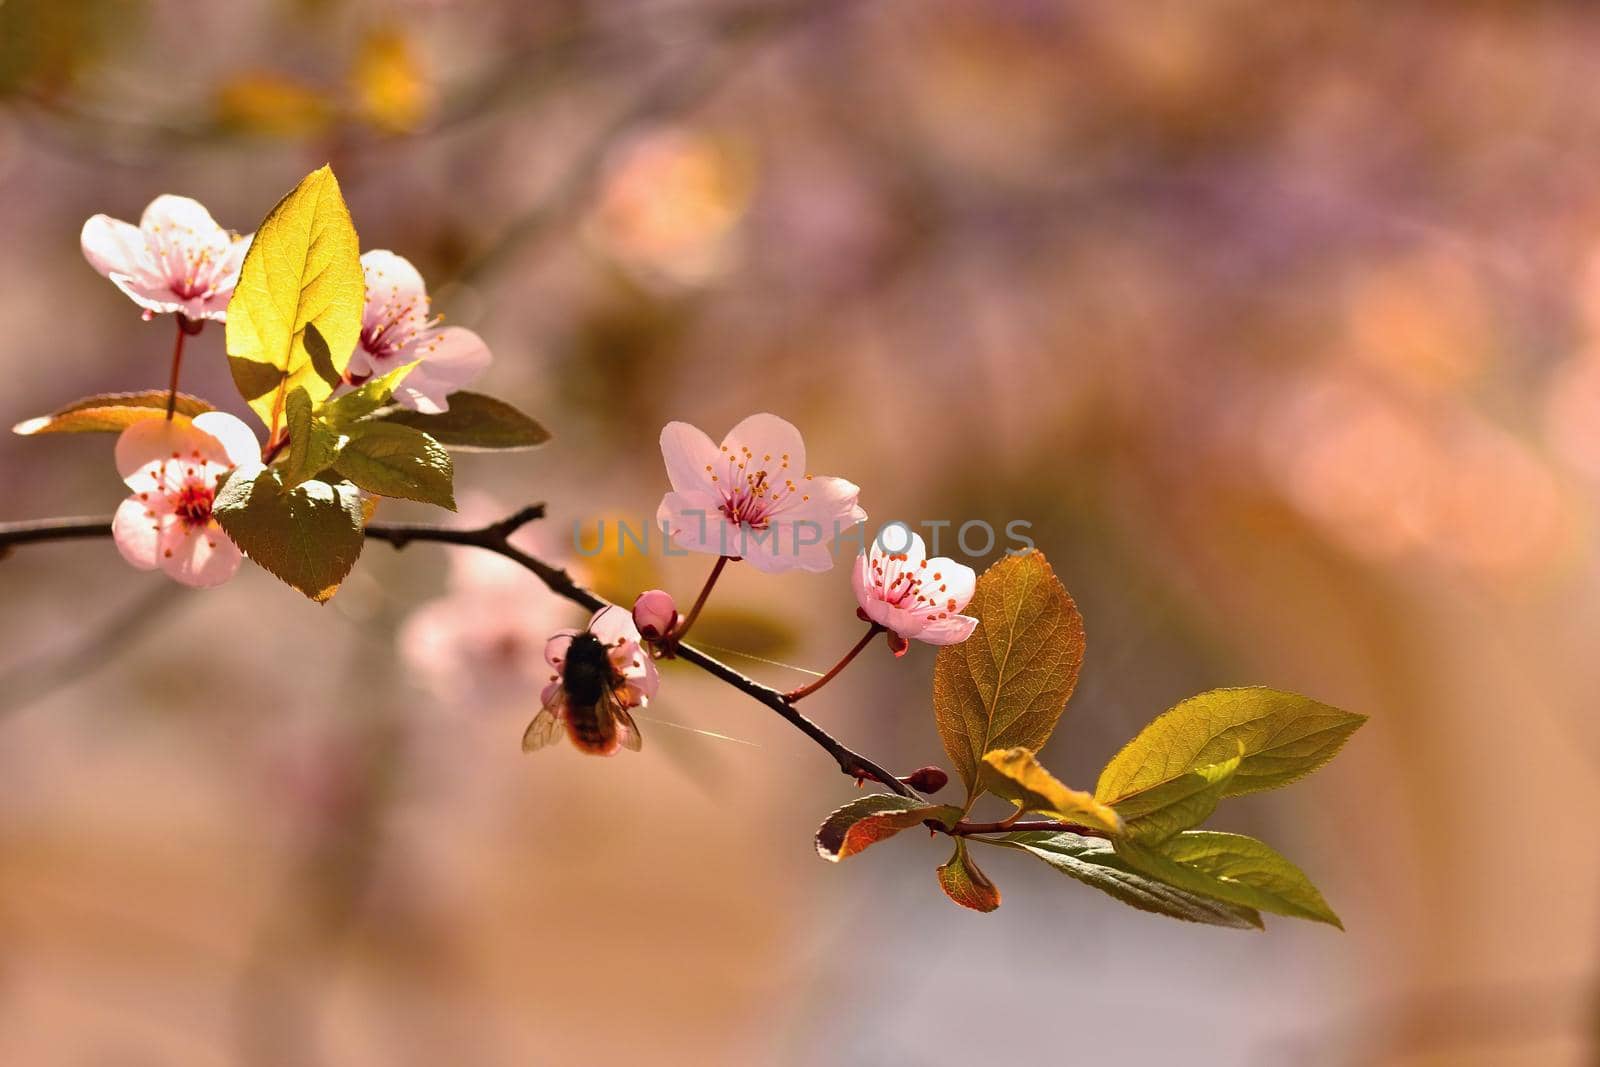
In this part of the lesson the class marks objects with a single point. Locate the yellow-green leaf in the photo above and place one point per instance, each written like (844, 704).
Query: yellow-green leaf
(313, 444)
(308, 535)
(295, 316)
(965, 884)
(876, 817)
(475, 423)
(1092, 861)
(343, 411)
(1281, 736)
(394, 460)
(1233, 868)
(1008, 683)
(110, 413)
(1016, 775)
(1186, 801)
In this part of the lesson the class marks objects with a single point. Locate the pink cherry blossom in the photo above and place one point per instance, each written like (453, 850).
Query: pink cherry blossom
(909, 594)
(634, 681)
(177, 260)
(396, 330)
(750, 496)
(173, 468)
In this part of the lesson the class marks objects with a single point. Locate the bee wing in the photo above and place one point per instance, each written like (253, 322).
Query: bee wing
(546, 727)
(627, 730)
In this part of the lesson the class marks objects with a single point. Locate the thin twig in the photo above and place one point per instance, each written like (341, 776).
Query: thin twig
(1006, 826)
(495, 537)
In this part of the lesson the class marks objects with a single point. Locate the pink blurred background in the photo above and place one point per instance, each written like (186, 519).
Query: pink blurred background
(1279, 322)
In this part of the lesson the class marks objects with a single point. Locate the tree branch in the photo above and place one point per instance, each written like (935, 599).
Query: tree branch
(496, 538)
(967, 829)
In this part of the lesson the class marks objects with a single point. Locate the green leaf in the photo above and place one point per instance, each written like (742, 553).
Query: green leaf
(1016, 775)
(394, 460)
(867, 820)
(1188, 800)
(313, 444)
(110, 413)
(295, 316)
(1093, 862)
(965, 884)
(1282, 737)
(475, 423)
(309, 535)
(342, 411)
(1008, 683)
(1232, 868)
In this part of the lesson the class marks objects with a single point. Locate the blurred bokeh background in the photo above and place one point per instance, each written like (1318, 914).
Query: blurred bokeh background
(1280, 322)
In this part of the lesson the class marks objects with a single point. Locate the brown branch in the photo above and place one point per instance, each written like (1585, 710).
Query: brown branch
(1007, 826)
(495, 537)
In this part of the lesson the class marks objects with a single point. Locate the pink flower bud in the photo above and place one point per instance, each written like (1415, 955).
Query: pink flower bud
(655, 614)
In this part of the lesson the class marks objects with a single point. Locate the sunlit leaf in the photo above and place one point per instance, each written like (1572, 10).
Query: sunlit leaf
(1183, 802)
(867, 820)
(1016, 775)
(1008, 683)
(343, 411)
(965, 884)
(1233, 868)
(394, 460)
(309, 536)
(295, 316)
(1093, 862)
(1281, 736)
(110, 413)
(475, 423)
(313, 445)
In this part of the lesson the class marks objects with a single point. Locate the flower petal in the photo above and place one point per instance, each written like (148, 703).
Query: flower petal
(786, 546)
(115, 247)
(153, 440)
(950, 630)
(956, 583)
(154, 297)
(861, 581)
(898, 540)
(451, 358)
(688, 453)
(555, 649)
(830, 503)
(395, 290)
(199, 557)
(613, 625)
(695, 521)
(137, 533)
(238, 444)
(770, 440)
(181, 219)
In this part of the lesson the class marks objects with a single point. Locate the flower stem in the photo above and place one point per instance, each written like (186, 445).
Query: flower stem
(177, 362)
(806, 690)
(700, 601)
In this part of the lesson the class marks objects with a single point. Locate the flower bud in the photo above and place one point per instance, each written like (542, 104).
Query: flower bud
(655, 614)
(927, 779)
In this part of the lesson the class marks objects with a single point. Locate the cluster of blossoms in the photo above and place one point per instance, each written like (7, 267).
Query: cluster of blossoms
(748, 498)
(178, 261)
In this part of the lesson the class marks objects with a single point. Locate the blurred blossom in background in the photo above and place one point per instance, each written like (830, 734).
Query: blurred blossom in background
(1278, 322)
